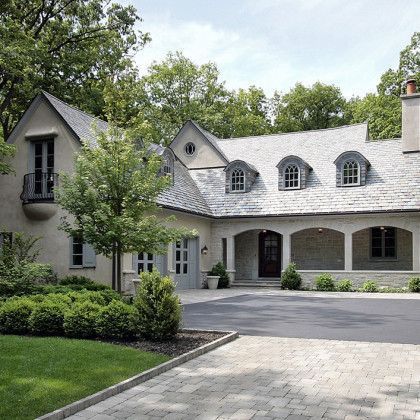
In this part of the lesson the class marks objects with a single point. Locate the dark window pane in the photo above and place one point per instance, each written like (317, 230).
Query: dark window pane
(390, 252)
(141, 267)
(50, 147)
(185, 271)
(178, 256)
(185, 255)
(150, 256)
(77, 248)
(140, 256)
(178, 268)
(38, 148)
(38, 162)
(50, 161)
(185, 243)
(150, 267)
(376, 252)
(77, 260)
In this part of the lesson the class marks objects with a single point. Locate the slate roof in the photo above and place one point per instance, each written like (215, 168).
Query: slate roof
(393, 180)
(79, 122)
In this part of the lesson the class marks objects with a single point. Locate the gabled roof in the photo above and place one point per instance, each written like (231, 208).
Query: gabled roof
(78, 121)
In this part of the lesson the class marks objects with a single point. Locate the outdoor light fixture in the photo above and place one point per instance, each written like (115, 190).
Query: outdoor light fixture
(264, 231)
(320, 230)
(382, 227)
(204, 250)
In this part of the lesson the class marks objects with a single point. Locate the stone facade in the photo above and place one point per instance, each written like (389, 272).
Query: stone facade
(246, 255)
(363, 261)
(315, 250)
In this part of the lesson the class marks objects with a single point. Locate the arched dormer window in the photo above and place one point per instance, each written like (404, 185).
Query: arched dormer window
(293, 172)
(240, 176)
(291, 177)
(351, 169)
(237, 180)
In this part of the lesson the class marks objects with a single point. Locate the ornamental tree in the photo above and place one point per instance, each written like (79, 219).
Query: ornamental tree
(111, 198)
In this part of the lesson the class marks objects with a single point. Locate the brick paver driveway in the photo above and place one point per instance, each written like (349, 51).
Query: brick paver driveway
(272, 377)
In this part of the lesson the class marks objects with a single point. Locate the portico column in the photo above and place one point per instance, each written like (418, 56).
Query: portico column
(416, 250)
(230, 257)
(286, 249)
(348, 251)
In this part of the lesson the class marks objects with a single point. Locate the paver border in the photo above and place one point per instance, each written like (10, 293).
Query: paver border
(99, 396)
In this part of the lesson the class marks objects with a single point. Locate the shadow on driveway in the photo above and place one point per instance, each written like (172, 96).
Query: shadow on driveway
(380, 320)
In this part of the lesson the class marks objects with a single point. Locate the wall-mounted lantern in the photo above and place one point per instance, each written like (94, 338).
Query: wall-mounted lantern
(204, 250)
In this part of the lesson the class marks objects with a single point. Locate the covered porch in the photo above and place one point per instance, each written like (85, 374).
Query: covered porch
(387, 253)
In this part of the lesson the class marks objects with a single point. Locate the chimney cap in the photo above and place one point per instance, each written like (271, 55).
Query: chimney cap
(411, 86)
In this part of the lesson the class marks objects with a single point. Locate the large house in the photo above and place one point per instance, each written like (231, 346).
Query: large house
(330, 200)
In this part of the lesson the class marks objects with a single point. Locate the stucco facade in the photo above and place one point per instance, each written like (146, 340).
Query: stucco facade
(320, 226)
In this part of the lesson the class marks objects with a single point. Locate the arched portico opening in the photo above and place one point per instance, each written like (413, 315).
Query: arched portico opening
(258, 255)
(383, 248)
(318, 249)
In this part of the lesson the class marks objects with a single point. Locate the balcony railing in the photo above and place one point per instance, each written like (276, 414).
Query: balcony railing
(39, 187)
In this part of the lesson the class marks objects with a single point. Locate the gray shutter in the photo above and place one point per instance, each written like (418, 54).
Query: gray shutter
(89, 256)
(161, 264)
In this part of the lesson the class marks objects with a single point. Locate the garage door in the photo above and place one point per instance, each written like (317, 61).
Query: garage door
(186, 263)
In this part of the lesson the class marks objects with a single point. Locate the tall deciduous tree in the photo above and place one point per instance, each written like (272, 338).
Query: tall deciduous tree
(67, 47)
(111, 198)
(6, 152)
(309, 108)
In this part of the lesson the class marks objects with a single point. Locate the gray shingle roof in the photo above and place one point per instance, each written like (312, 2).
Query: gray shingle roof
(393, 180)
(80, 122)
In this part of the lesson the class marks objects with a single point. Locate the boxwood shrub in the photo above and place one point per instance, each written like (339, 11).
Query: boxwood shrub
(291, 279)
(47, 318)
(14, 315)
(345, 285)
(414, 285)
(80, 320)
(117, 320)
(325, 283)
(370, 287)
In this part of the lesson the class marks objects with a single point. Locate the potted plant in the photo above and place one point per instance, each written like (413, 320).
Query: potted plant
(212, 281)
(217, 272)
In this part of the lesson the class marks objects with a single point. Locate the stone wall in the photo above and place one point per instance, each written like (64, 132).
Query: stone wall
(363, 261)
(312, 250)
(382, 279)
(246, 255)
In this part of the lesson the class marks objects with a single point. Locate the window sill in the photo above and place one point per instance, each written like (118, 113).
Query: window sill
(80, 267)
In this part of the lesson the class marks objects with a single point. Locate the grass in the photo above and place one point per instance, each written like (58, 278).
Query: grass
(38, 375)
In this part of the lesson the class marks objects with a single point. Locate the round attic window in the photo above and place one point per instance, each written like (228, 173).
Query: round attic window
(190, 148)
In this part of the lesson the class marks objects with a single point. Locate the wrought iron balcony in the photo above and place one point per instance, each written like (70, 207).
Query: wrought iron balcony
(38, 187)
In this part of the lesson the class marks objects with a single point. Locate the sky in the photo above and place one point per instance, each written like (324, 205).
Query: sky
(275, 43)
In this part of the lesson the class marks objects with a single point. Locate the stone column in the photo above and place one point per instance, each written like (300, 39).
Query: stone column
(230, 258)
(416, 250)
(286, 250)
(348, 251)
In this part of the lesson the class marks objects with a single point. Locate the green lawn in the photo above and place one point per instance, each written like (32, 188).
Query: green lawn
(38, 375)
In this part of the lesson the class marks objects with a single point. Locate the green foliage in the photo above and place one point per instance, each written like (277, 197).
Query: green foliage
(14, 316)
(369, 287)
(80, 320)
(70, 48)
(414, 285)
(6, 152)
(325, 282)
(117, 321)
(309, 108)
(81, 282)
(112, 198)
(345, 285)
(220, 270)
(47, 318)
(291, 279)
(159, 308)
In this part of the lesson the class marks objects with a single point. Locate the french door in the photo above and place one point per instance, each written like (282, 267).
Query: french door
(43, 168)
(269, 254)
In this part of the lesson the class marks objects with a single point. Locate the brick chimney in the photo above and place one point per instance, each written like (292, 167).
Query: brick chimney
(411, 118)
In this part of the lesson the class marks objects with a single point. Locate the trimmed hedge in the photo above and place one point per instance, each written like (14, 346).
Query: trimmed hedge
(325, 282)
(14, 316)
(80, 320)
(48, 317)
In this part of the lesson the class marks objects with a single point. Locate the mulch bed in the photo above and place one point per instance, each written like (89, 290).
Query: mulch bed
(183, 342)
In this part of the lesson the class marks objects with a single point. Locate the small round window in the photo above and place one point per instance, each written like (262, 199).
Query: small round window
(190, 149)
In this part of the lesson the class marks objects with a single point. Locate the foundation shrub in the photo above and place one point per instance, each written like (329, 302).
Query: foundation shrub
(80, 320)
(160, 310)
(325, 282)
(345, 285)
(370, 287)
(48, 317)
(291, 279)
(414, 285)
(82, 282)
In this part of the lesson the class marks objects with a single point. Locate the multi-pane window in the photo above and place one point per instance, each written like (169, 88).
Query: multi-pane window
(77, 253)
(351, 173)
(291, 177)
(237, 180)
(145, 262)
(181, 257)
(383, 242)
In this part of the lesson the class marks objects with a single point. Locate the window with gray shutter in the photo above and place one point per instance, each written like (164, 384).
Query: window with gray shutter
(82, 255)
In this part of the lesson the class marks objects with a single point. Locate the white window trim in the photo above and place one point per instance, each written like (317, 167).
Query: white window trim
(353, 184)
(83, 254)
(284, 177)
(236, 190)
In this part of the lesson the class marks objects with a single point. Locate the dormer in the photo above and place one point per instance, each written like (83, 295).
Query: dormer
(351, 169)
(293, 173)
(240, 176)
(196, 148)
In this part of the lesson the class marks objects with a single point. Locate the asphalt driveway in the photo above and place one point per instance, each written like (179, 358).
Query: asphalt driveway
(377, 320)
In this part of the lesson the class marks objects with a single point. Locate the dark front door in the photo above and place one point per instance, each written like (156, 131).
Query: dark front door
(269, 254)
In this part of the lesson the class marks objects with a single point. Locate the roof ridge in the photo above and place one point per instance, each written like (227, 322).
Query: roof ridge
(294, 132)
(47, 94)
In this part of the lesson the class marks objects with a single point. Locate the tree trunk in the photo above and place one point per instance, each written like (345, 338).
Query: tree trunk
(118, 268)
(114, 270)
